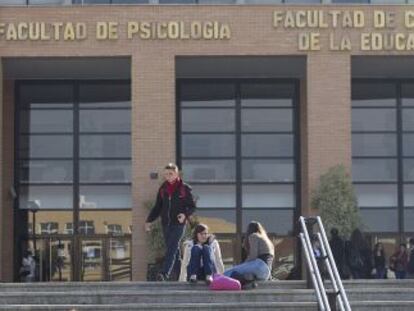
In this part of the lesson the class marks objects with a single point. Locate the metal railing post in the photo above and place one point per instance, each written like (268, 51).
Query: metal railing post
(327, 300)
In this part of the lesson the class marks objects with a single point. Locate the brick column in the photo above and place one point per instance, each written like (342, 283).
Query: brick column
(153, 140)
(326, 116)
(6, 173)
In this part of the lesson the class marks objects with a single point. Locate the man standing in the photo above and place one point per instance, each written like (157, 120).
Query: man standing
(175, 203)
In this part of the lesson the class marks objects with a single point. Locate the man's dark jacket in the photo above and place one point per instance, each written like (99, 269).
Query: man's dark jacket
(181, 201)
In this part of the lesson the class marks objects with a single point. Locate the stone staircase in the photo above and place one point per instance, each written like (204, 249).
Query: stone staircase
(364, 295)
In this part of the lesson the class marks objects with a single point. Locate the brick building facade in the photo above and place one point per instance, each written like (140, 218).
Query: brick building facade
(255, 49)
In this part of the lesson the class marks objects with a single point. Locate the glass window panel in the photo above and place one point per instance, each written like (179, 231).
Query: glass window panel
(374, 94)
(60, 219)
(262, 1)
(217, 1)
(105, 146)
(108, 222)
(49, 2)
(105, 95)
(409, 195)
(374, 145)
(46, 121)
(302, 1)
(374, 170)
(46, 197)
(120, 269)
(213, 196)
(350, 1)
(407, 91)
(46, 146)
(374, 120)
(105, 121)
(92, 1)
(218, 221)
(268, 170)
(46, 171)
(409, 220)
(268, 196)
(267, 145)
(284, 261)
(408, 144)
(267, 94)
(92, 197)
(12, 2)
(46, 96)
(92, 260)
(408, 169)
(380, 220)
(376, 195)
(207, 94)
(208, 145)
(209, 170)
(408, 119)
(266, 120)
(388, 1)
(274, 221)
(105, 171)
(227, 247)
(207, 120)
(129, 1)
(176, 1)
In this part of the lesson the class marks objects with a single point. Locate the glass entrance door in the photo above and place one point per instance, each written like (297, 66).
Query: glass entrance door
(73, 177)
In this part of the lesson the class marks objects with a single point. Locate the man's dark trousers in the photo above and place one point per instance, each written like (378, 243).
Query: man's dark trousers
(172, 237)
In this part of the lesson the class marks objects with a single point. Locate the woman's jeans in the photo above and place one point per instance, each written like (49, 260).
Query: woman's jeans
(256, 267)
(381, 272)
(400, 274)
(201, 262)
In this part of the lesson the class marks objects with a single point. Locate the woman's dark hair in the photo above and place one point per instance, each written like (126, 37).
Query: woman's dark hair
(334, 232)
(253, 227)
(198, 229)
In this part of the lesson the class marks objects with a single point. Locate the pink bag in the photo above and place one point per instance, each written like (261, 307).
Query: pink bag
(222, 282)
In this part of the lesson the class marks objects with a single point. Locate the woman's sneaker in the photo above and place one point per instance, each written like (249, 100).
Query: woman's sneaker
(193, 279)
(209, 279)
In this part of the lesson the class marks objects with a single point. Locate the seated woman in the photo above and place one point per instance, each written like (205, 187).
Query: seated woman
(260, 254)
(201, 257)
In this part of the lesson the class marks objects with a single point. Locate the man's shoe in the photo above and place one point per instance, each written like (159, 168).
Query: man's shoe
(193, 279)
(209, 279)
(161, 277)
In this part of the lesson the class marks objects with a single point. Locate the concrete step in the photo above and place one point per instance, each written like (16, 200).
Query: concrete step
(195, 296)
(159, 296)
(257, 306)
(135, 286)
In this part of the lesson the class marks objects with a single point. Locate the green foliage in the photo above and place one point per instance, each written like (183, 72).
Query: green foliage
(336, 201)
(155, 238)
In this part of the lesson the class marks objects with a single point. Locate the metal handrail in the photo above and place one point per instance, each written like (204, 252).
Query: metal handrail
(336, 278)
(339, 295)
(314, 272)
